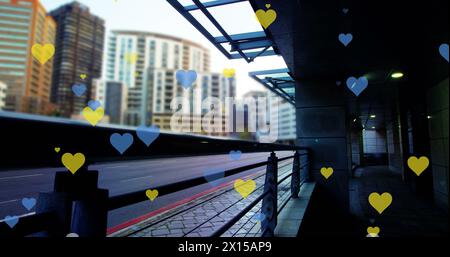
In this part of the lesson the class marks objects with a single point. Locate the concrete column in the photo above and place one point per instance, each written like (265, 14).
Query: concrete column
(322, 126)
(394, 142)
(438, 124)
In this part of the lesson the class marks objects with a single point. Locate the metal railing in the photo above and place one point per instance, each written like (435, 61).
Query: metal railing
(78, 205)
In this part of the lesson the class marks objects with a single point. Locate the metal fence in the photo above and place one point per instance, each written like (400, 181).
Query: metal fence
(77, 204)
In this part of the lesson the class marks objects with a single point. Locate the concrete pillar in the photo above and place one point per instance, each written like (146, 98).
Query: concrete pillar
(438, 124)
(322, 126)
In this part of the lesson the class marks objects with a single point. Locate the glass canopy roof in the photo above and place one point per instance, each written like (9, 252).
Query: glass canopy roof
(230, 25)
(278, 81)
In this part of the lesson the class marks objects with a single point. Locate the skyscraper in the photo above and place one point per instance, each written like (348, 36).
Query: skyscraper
(3, 87)
(78, 57)
(147, 63)
(287, 120)
(22, 24)
(113, 96)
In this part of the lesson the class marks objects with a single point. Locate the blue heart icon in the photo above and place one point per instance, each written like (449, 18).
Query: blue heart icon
(345, 38)
(345, 10)
(121, 142)
(357, 86)
(79, 89)
(28, 203)
(147, 134)
(186, 78)
(11, 221)
(443, 49)
(94, 104)
(235, 155)
(213, 176)
(259, 217)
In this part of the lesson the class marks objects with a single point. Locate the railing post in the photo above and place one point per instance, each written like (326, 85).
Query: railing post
(309, 176)
(295, 179)
(270, 202)
(90, 213)
(61, 205)
(80, 206)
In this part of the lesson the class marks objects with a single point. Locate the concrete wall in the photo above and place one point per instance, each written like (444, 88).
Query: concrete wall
(374, 141)
(438, 129)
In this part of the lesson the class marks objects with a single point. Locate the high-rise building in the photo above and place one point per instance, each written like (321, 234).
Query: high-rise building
(287, 126)
(79, 53)
(113, 95)
(257, 97)
(147, 63)
(3, 88)
(24, 23)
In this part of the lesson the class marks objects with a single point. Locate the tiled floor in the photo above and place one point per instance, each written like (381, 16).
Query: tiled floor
(203, 216)
(409, 215)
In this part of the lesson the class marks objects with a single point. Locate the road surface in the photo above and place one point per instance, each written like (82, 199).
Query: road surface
(125, 177)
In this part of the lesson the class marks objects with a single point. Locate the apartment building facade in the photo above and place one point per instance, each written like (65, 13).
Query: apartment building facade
(78, 57)
(24, 23)
(147, 63)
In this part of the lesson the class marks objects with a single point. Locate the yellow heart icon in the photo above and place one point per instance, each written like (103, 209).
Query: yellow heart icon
(229, 73)
(266, 18)
(327, 172)
(93, 116)
(373, 231)
(244, 188)
(57, 149)
(73, 162)
(151, 194)
(418, 165)
(380, 202)
(131, 58)
(43, 53)
(83, 76)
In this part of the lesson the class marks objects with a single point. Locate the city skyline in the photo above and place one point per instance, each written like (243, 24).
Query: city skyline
(151, 76)
(162, 18)
(84, 46)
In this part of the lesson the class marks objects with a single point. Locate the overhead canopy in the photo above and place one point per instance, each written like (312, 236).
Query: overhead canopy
(230, 25)
(278, 81)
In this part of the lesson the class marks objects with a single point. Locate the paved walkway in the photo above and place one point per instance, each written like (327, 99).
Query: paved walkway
(408, 216)
(203, 216)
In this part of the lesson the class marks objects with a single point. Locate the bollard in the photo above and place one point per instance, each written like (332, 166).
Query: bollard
(270, 201)
(295, 179)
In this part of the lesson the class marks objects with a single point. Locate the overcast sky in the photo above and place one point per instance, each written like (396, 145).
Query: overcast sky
(159, 16)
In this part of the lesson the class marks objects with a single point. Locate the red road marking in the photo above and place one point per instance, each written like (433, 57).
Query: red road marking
(168, 207)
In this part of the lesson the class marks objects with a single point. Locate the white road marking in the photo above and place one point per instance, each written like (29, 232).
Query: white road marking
(23, 215)
(25, 176)
(131, 179)
(116, 167)
(9, 201)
